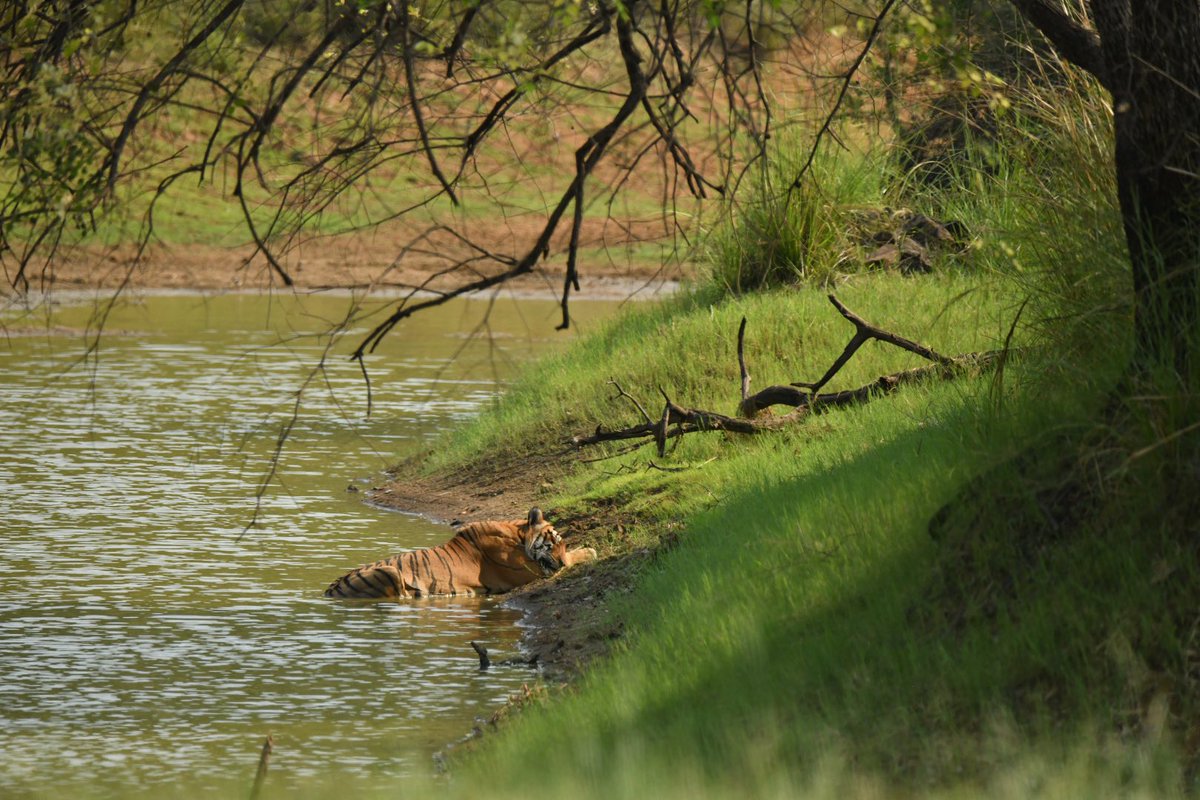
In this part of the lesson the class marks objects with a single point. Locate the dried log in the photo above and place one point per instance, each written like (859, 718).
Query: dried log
(791, 395)
(802, 397)
(694, 420)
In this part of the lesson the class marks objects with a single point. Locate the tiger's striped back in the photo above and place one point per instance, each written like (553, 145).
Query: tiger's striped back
(482, 558)
(404, 575)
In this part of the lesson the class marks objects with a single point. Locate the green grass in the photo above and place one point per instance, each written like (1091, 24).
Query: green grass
(687, 347)
(978, 587)
(786, 633)
(774, 233)
(802, 638)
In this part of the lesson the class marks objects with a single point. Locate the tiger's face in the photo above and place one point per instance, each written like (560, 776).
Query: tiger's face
(543, 545)
(546, 549)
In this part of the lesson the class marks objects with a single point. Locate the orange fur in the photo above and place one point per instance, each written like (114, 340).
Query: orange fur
(483, 558)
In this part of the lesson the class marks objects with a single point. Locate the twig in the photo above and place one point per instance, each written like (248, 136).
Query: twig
(572, 277)
(1150, 448)
(660, 430)
(411, 80)
(610, 456)
(742, 360)
(622, 393)
(847, 78)
(135, 112)
(460, 36)
(652, 465)
(481, 651)
(263, 760)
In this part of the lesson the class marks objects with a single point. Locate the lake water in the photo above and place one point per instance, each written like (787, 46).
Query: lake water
(144, 648)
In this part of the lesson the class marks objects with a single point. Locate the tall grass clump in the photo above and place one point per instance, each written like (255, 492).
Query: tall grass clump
(1039, 198)
(775, 232)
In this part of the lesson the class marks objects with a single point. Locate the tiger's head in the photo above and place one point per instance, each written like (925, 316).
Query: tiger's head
(543, 545)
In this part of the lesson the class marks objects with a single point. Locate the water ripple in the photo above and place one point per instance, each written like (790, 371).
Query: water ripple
(142, 644)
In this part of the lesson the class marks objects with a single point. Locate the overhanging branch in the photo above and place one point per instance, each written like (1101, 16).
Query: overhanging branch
(1073, 41)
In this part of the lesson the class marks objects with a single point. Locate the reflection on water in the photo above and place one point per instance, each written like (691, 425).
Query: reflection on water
(141, 643)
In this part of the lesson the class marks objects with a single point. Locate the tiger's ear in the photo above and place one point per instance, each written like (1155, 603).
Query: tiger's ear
(536, 520)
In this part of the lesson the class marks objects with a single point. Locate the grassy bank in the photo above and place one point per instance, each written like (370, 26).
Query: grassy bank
(973, 586)
(797, 633)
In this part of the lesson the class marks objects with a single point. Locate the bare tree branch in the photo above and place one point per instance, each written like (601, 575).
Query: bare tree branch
(847, 79)
(688, 420)
(155, 83)
(1075, 42)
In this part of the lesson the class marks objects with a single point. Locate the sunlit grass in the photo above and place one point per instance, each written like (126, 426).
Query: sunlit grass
(811, 633)
(687, 347)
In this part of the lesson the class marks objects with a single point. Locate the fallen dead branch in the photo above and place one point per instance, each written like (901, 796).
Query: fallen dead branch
(481, 651)
(803, 397)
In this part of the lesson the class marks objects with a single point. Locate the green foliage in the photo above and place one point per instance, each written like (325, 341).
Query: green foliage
(947, 75)
(287, 23)
(777, 232)
(813, 633)
(1040, 202)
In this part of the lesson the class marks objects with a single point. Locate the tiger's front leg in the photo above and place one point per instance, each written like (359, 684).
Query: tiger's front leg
(583, 555)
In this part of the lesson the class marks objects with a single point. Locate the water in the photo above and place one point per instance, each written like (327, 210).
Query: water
(143, 646)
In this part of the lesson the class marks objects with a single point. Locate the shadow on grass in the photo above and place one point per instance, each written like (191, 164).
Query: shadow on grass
(810, 616)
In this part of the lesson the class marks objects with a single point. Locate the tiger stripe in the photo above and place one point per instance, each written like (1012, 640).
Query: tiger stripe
(482, 558)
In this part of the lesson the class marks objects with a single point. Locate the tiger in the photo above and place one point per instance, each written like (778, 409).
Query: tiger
(483, 558)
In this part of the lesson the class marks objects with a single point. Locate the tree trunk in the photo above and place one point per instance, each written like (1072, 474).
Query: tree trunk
(1152, 60)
